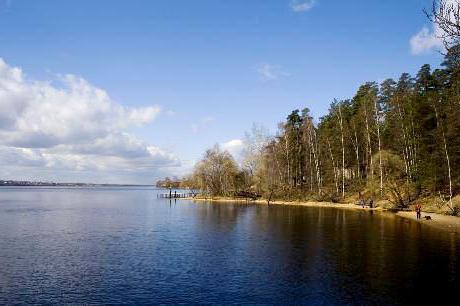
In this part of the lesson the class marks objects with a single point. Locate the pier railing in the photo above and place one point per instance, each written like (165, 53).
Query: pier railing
(175, 195)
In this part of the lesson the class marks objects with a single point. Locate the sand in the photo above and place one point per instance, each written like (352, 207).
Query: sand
(442, 222)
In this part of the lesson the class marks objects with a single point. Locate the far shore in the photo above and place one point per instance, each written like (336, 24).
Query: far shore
(438, 221)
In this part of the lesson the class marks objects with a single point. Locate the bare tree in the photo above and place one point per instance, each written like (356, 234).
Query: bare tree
(369, 143)
(355, 142)
(377, 123)
(445, 14)
(440, 127)
(255, 142)
(216, 172)
(343, 149)
(334, 167)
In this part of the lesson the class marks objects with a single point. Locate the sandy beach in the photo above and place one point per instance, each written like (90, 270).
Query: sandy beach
(443, 222)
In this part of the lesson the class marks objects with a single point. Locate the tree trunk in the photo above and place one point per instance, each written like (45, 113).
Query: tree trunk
(369, 144)
(440, 126)
(288, 162)
(357, 151)
(317, 161)
(406, 149)
(377, 122)
(333, 167)
(343, 151)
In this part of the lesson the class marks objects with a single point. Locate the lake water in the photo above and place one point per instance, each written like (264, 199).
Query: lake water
(123, 245)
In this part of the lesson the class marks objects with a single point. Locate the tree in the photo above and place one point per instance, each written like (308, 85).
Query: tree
(340, 121)
(404, 132)
(254, 144)
(398, 190)
(445, 14)
(377, 123)
(217, 172)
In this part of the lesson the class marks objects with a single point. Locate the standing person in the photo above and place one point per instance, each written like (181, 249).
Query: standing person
(360, 199)
(418, 210)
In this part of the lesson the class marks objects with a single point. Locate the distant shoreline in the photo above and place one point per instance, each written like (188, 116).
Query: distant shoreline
(46, 184)
(439, 221)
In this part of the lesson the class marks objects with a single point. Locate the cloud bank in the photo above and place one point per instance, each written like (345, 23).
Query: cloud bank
(71, 129)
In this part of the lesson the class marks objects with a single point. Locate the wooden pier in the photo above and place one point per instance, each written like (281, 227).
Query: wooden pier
(175, 195)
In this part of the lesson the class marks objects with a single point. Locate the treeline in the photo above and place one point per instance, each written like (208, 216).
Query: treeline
(169, 183)
(398, 140)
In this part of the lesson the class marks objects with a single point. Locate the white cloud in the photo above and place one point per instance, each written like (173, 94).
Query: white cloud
(268, 72)
(302, 5)
(234, 147)
(71, 125)
(38, 114)
(426, 39)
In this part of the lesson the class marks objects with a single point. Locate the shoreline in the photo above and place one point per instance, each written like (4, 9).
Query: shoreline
(278, 202)
(442, 222)
(446, 223)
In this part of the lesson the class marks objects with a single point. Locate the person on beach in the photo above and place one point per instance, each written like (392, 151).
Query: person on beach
(371, 203)
(361, 201)
(418, 210)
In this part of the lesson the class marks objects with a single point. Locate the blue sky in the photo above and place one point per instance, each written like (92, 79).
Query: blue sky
(211, 67)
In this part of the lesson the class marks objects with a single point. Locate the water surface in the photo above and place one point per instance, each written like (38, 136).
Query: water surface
(114, 245)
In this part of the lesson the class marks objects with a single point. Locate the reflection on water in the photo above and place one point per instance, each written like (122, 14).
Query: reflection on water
(115, 245)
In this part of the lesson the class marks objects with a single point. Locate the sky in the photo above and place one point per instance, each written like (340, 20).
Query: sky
(132, 91)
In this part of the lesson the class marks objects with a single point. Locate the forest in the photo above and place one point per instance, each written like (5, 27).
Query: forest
(398, 141)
